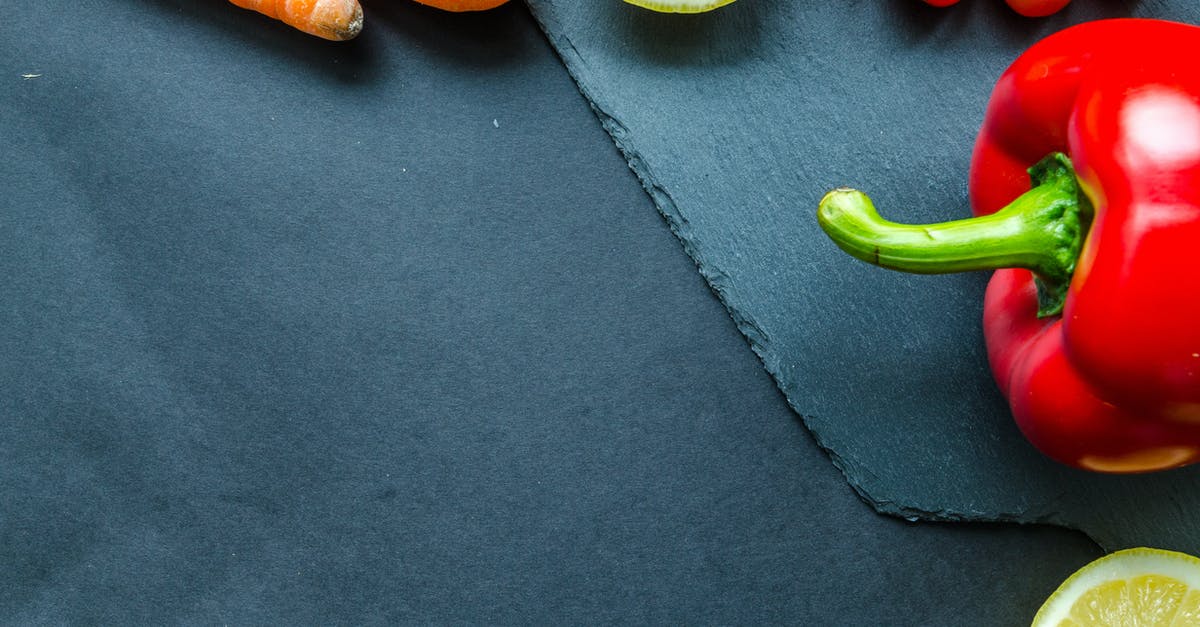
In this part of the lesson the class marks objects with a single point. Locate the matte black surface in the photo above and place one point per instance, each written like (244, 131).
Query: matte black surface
(386, 332)
(739, 120)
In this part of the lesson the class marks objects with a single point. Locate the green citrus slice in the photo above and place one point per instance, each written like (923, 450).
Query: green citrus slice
(680, 6)
(1143, 586)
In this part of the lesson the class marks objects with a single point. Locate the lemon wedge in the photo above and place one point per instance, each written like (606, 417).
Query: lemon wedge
(1140, 587)
(680, 6)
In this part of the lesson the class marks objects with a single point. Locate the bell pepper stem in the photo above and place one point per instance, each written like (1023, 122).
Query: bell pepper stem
(1042, 231)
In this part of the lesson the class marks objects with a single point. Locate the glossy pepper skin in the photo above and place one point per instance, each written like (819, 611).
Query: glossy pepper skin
(1112, 382)
(1028, 8)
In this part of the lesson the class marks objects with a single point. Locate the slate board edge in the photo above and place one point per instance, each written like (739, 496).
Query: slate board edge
(677, 222)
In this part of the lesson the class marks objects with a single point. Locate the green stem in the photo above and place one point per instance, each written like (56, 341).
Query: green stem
(1042, 231)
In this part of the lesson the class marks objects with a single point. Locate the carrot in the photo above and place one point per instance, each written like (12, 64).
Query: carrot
(338, 20)
(464, 5)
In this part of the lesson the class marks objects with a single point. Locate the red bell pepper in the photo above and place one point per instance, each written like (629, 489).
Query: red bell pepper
(1028, 8)
(1092, 318)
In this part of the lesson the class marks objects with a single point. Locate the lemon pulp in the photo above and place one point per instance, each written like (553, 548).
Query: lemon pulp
(680, 6)
(1150, 587)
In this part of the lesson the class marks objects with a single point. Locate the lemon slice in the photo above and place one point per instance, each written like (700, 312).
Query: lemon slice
(680, 6)
(1138, 587)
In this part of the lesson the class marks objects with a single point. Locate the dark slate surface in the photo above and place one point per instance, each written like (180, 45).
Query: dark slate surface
(737, 122)
(387, 332)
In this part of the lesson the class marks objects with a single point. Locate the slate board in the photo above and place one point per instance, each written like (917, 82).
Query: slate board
(737, 121)
(387, 333)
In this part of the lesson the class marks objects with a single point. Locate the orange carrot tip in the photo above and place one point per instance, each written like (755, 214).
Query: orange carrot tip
(337, 20)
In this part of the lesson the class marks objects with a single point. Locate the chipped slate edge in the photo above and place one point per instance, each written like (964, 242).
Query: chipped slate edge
(750, 329)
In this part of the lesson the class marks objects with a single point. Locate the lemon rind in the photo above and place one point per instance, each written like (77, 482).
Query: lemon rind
(667, 6)
(1124, 564)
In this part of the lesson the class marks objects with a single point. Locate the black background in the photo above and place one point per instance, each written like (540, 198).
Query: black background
(386, 331)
